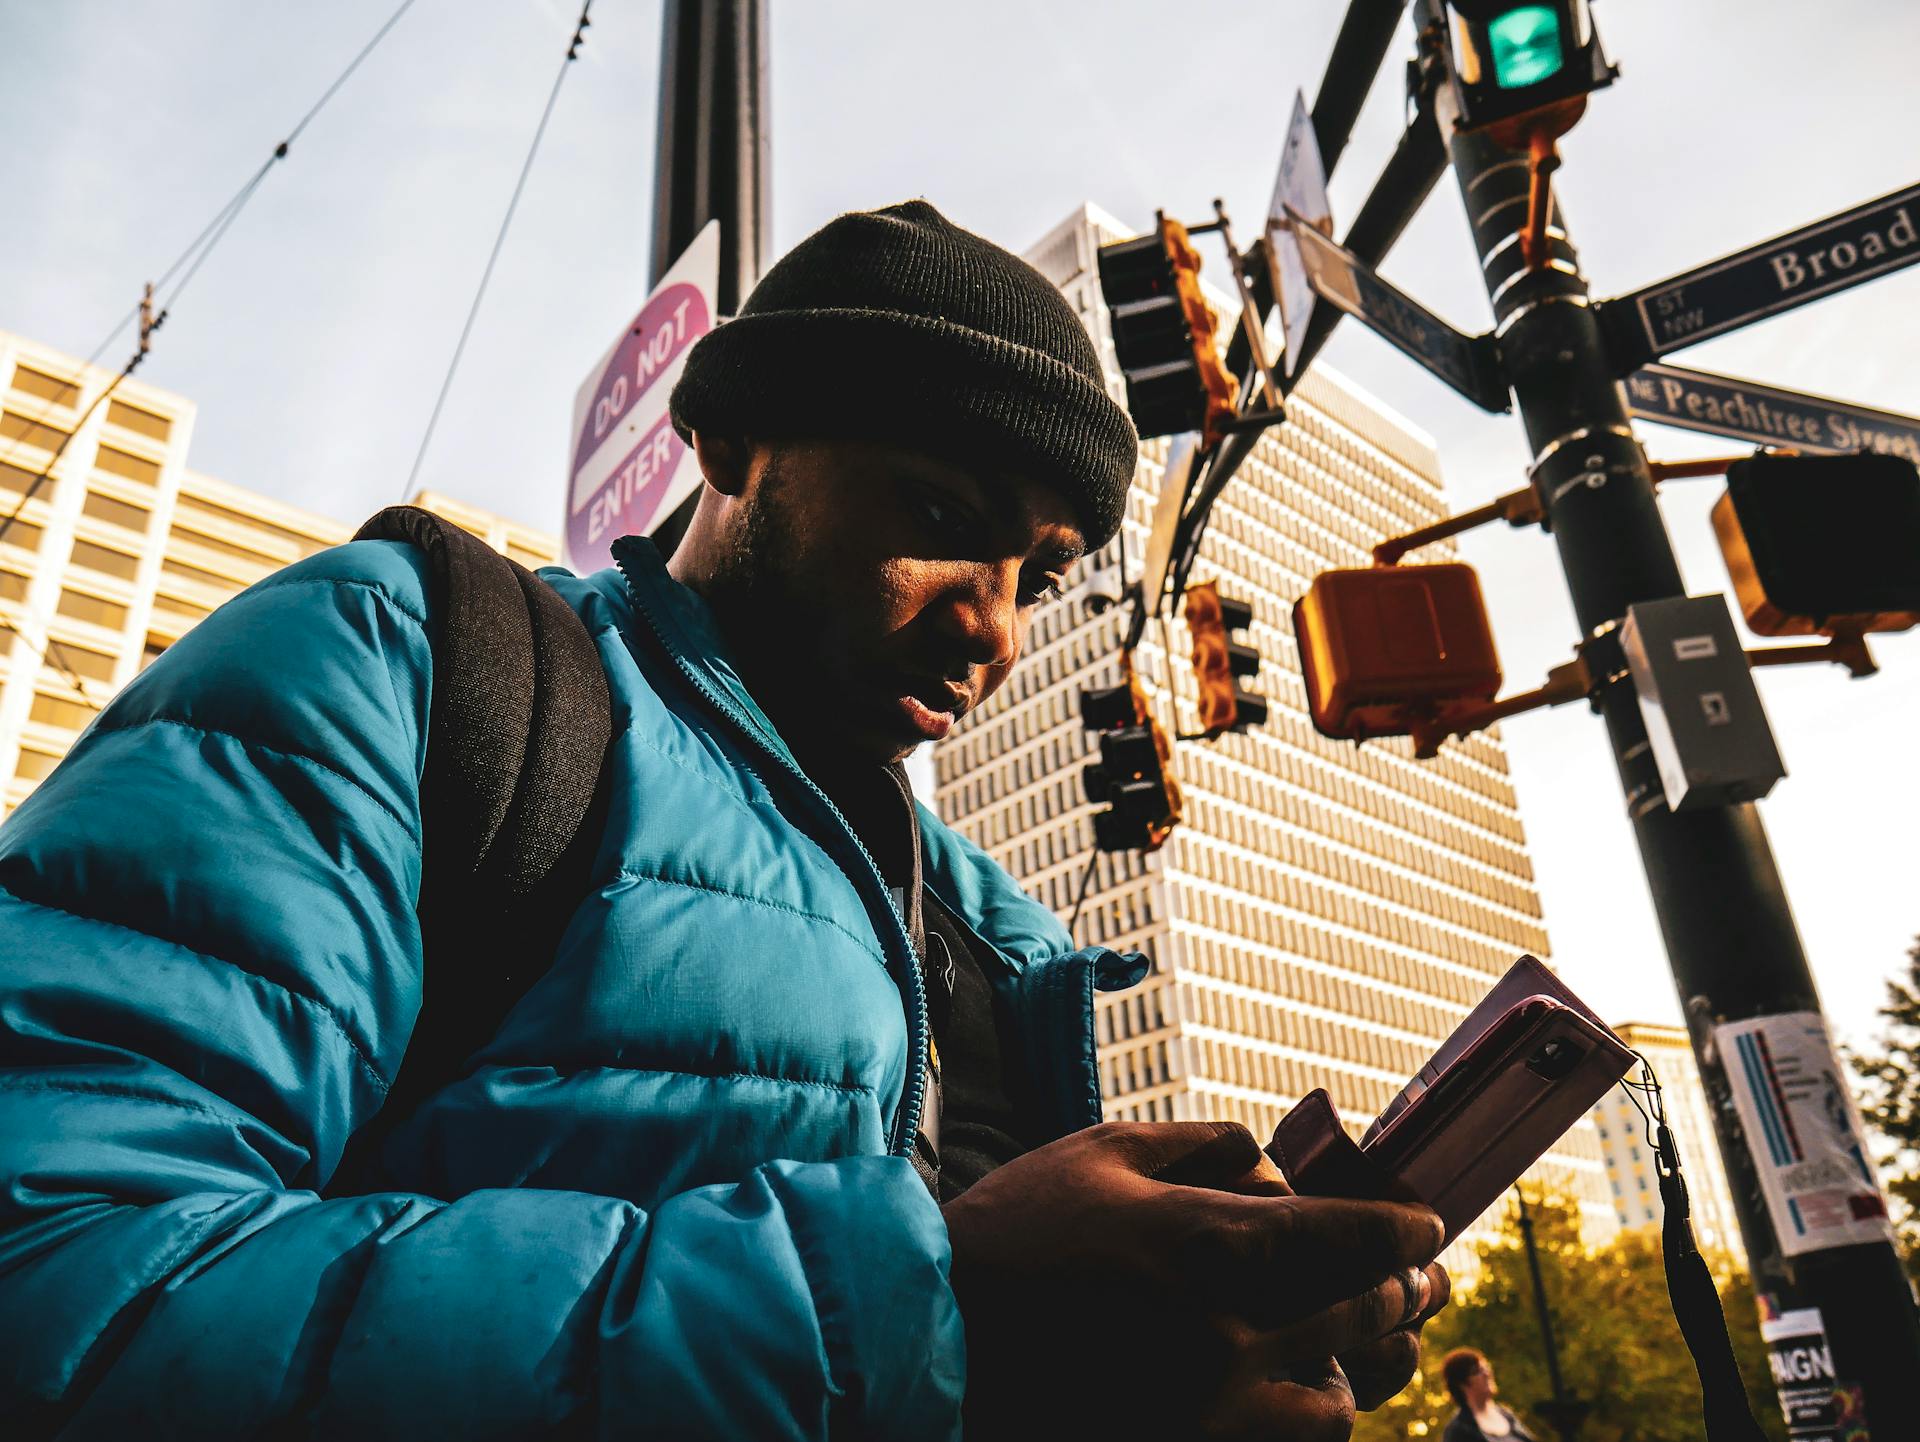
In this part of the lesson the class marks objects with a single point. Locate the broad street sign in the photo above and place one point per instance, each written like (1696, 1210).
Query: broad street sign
(1182, 451)
(630, 468)
(1830, 255)
(1469, 364)
(1746, 411)
(1301, 189)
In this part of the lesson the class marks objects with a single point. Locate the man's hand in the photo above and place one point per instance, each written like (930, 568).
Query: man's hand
(1157, 1280)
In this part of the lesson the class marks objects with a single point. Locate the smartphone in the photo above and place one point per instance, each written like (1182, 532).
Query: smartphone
(1460, 1135)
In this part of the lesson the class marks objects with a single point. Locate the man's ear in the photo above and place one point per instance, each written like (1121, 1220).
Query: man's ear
(723, 461)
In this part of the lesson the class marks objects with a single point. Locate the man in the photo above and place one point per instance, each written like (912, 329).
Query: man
(693, 1186)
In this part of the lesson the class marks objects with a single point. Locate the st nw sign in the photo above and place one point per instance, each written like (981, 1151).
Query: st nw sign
(630, 469)
(1747, 411)
(1830, 255)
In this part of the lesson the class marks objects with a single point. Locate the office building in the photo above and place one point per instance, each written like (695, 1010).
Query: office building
(121, 549)
(1626, 1148)
(1326, 913)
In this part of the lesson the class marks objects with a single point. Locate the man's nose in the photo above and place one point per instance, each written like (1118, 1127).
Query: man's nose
(982, 612)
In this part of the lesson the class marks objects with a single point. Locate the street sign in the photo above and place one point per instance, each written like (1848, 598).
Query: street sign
(1830, 255)
(1301, 189)
(630, 468)
(1469, 364)
(1182, 451)
(1747, 411)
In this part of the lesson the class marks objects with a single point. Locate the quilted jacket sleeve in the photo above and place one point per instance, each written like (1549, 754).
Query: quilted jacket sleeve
(209, 966)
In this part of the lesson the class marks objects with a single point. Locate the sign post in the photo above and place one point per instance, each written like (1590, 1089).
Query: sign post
(1300, 192)
(630, 469)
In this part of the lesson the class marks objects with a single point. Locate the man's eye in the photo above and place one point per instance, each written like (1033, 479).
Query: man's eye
(1047, 588)
(941, 514)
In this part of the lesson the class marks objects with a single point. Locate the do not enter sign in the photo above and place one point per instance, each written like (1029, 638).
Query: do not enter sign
(630, 469)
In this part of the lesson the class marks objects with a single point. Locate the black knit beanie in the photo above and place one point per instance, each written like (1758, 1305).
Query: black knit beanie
(897, 325)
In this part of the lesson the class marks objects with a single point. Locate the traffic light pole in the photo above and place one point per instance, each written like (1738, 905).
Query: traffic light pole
(712, 157)
(1730, 936)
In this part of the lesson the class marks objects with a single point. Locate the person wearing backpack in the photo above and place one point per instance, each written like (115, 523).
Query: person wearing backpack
(434, 1006)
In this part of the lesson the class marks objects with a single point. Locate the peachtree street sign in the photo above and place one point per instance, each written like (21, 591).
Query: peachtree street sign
(1747, 411)
(1830, 255)
(630, 468)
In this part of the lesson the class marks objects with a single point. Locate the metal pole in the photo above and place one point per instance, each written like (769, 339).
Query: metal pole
(1565, 1412)
(713, 155)
(1730, 936)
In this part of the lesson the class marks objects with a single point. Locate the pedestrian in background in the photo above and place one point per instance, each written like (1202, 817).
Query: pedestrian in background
(1469, 1378)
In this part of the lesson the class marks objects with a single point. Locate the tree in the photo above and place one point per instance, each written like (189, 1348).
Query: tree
(1620, 1348)
(1889, 1094)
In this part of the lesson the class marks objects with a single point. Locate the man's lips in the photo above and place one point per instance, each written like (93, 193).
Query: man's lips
(930, 705)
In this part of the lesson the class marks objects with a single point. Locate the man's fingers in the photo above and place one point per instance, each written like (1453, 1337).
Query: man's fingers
(1379, 1370)
(1275, 1259)
(1186, 1154)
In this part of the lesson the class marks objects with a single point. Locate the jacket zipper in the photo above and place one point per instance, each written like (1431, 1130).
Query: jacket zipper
(907, 1119)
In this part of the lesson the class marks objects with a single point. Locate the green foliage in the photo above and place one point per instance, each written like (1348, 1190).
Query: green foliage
(1889, 1094)
(1620, 1348)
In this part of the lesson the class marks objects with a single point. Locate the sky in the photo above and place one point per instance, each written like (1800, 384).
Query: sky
(315, 339)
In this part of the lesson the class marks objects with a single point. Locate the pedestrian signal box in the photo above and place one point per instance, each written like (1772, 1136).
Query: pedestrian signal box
(1822, 544)
(1705, 725)
(1384, 648)
(1511, 59)
(1164, 335)
(1220, 662)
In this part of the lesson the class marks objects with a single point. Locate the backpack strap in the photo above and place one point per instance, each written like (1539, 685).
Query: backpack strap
(510, 802)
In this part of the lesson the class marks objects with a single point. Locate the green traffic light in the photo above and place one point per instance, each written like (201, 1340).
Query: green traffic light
(1526, 46)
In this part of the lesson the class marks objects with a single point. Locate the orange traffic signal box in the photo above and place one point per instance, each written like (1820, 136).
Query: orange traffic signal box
(1382, 648)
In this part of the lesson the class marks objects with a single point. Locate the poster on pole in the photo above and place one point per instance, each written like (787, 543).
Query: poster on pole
(1803, 1131)
(629, 468)
(1302, 189)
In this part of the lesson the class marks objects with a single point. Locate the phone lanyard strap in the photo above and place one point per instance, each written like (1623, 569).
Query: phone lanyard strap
(1696, 1302)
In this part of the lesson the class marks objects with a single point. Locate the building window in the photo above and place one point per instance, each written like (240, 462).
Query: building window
(35, 765)
(13, 586)
(64, 656)
(24, 534)
(42, 386)
(34, 433)
(54, 711)
(18, 479)
(174, 606)
(94, 610)
(105, 560)
(117, 513)
(150, 652)
(117, 462)
(142, 422)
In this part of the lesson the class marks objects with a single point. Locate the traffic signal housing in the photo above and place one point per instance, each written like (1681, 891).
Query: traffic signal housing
(1134, 776)
(1822, 544)
(1164, 331)
(1220, 662)
(1513, 58)
(1385, 649)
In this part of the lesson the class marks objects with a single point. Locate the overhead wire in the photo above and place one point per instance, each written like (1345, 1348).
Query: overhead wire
(499, 241)
(191, 259)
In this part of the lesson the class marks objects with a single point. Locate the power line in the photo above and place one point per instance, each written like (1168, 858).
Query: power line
(191, 259)
(499, 240)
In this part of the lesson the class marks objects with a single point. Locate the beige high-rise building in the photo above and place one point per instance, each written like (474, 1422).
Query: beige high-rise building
(1326, 913)
(122, 549)
(1625, 1147)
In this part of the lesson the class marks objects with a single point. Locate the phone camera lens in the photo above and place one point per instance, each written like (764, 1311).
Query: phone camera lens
(1554, 1059)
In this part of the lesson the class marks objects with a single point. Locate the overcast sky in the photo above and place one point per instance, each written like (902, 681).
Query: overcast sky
(315, 340)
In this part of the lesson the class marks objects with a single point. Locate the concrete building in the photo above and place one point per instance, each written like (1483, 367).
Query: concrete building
(122, 548)
(1326, 914)
(1629, 1157)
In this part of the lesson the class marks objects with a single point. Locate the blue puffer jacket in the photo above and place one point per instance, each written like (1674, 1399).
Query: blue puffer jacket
(673, 1201)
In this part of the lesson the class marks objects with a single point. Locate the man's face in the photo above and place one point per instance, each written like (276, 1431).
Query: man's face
(875, 594)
